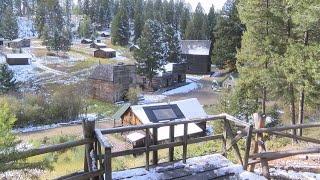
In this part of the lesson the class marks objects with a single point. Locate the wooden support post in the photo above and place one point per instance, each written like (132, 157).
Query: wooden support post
(224, 139)
(248, 146)
(107, 163)
(101, 166)
(235, 146)
(88, 132)
(185, 143)
(171, 138)
(155, 142)
(147, 143)
(265, 168)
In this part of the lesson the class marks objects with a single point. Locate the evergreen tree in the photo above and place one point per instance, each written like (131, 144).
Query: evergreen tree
(7, 80)
(152, 52)
(40, 19)
(171, 37)
(178, 10)
(227, 33)
(190, 31)
(86, 29)
(138, 20)
(9, 156)
(120, 26)
(158, 11)
(212, 21)
(185, 18)
(198, 20)
(9, 25)
(149, 10)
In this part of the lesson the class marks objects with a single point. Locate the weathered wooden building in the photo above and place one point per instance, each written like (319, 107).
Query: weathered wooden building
(159, 112)
(197, 55)
(105, 53)
(231, 81)
(19, 43)
(18, 59)
(110, 83)
(170, 75)
(86, 41)
(98, 45)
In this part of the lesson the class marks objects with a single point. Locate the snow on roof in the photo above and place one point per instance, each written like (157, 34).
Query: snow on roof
(19, 56)
(195, 47)
(135, 136)
(163, 132)
(100, 44)
(166, 68)
(108, 49)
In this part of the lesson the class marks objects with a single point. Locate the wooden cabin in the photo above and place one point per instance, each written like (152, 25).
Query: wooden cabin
(86, 41)
(19, 43)
(110, 82)
(105, 53)
(231, 81)
(98, 45)
(153, 113)
(18, 59)
(197, 55)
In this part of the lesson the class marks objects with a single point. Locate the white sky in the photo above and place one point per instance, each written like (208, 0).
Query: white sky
(206, 4)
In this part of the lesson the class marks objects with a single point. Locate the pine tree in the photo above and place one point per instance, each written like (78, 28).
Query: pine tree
(152, 52)
(149, 10)
(158, 11)
(198, 20)
(138, 20)
(212, 21)
(171, 37)
(190, 31)
(185, 18)
(9, 156)
(7, 80)
(120, 26)
(227, 33)
(9, 25)
(86, 29)
(178, 10)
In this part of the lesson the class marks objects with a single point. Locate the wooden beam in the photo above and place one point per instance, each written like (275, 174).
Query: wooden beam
(155, 142)
(107, 163)
(236, 120)
(158, 125)
(147, 142)
(171, 139)
(236, 139)
(101, 139)
(81, 175)
(248, 147)
(307, 139)
(283, 154)
(235, 146)
(205, 138)
(224, 139)
(288, 127)
(185, 143)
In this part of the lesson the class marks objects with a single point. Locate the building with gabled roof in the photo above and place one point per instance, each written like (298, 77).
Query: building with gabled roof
(231, 81)
(18, 59)
(197, 55)
(105, 53)
(109, 82)
(98, 45)
(163, 112)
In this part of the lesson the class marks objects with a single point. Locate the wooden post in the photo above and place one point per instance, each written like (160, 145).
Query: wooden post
(155, 142)
(259, 145)
(224, 139)
(147, 142)
(185, 143)
(235, 146)
(88, 132)
(248, 146)
(107, 163)
(171, 138)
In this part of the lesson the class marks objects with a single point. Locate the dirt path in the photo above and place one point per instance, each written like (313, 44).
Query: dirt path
(67, 130)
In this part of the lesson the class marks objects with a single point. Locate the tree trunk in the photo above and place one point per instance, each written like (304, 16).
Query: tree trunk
(301, 110)
(292, 110)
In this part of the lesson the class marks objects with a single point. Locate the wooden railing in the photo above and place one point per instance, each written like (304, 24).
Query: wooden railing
(105, 159)
(259, 153)
(98, 155)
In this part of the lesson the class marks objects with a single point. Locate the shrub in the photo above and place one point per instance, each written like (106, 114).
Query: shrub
(132, 95)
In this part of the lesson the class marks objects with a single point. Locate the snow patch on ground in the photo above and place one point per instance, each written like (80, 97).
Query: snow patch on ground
(151, 98)
(46, 127)
(193, 84)
(25, 73)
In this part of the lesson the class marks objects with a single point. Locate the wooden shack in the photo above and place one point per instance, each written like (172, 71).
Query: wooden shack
(105, 53)
(86, 41)
(19, 43)
(171, 74)
(110, 83)
(197, 55)
(159, 112)
(18, 59)
(98, 45)
(231, 81)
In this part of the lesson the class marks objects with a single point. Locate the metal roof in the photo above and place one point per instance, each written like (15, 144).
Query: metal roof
(120, 112)
(102, 72)
(196, 47)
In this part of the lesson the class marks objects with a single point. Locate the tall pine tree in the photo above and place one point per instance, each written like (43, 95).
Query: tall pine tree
(171, 37)
(9, 24)
(7, 80)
